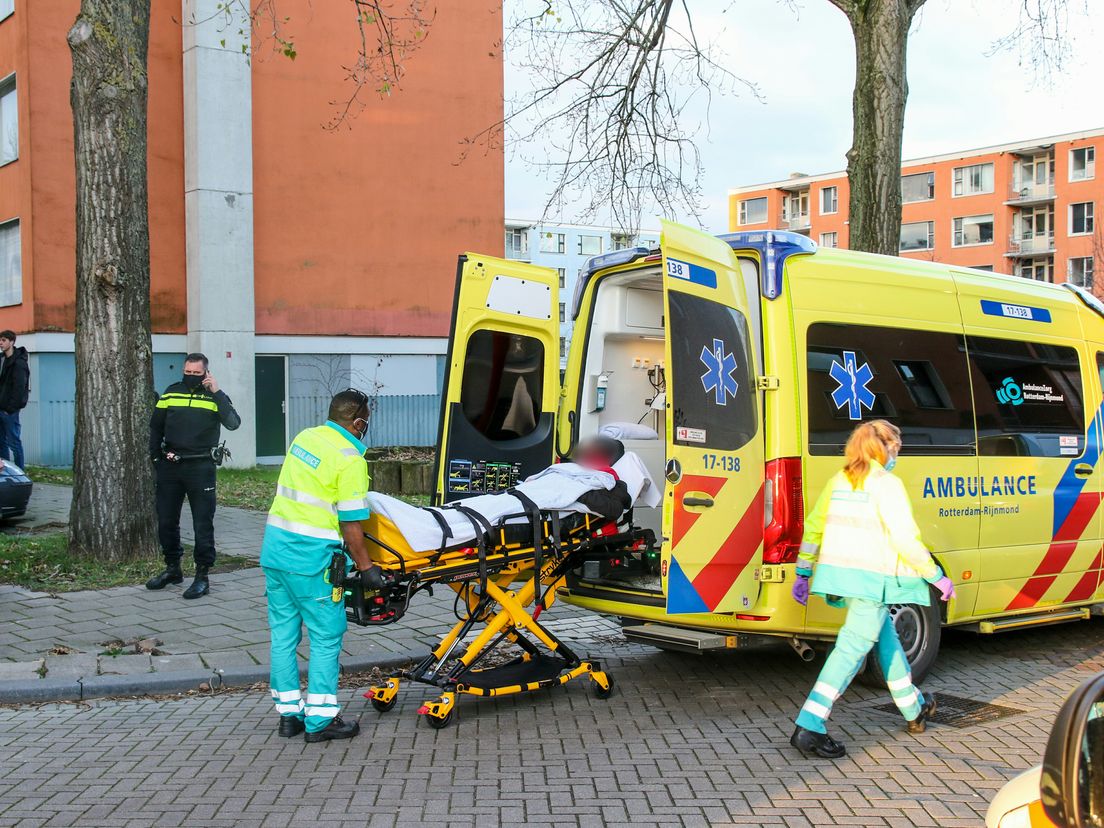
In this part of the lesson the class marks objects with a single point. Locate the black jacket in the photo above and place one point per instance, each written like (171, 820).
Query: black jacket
(609, 503)
(188, 422)
(15, 381)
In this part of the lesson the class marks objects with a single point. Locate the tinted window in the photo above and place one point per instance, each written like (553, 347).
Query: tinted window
(1028, 398)
(917, 380)
(713, 388)
(503, 384)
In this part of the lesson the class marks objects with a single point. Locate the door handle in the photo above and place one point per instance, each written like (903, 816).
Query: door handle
(697, 500)
(1083, 470)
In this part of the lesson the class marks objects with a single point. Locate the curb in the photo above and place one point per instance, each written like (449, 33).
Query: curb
(38, 691)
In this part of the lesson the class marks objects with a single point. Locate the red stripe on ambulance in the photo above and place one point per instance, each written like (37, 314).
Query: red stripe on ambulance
(1086, 587)
(684, 520)
(718, 576)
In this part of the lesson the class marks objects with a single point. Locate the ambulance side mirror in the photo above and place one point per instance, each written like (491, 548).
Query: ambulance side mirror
(1072, 781)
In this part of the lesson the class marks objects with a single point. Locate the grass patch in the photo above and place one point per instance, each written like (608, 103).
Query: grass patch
(44, 474)
(42, 562)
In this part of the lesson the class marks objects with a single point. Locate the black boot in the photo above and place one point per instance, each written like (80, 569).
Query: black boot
(200, 586)
(927, 710)
(290, 726)
(170, 575)
(819, 744)
(336, 729)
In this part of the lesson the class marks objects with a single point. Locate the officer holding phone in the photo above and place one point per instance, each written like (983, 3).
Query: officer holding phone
(184, 438)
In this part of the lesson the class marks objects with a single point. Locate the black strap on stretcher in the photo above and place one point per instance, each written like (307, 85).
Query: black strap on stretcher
(446, 530)
(534, 513)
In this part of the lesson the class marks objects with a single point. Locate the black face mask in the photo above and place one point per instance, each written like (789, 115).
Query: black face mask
(192, 381)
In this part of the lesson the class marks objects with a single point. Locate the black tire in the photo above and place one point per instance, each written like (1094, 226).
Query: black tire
(383, 706)
(920, 630)
(604, 692)
(438, 723)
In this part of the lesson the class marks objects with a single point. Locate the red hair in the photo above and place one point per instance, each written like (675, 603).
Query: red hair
(869, 441)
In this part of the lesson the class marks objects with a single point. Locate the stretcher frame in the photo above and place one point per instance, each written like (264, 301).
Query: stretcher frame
(538, 553)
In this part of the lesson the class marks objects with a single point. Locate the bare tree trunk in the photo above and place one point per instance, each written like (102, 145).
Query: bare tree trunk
(112, 513)
(881, 30)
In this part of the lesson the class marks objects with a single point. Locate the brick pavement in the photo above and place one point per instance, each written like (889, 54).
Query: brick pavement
(684, 741)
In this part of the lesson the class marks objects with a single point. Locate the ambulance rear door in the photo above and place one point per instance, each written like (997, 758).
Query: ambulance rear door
(713, 498)
(502, 380)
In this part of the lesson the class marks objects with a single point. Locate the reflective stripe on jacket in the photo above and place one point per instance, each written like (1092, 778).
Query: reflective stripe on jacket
(324, 481)
(865, 542)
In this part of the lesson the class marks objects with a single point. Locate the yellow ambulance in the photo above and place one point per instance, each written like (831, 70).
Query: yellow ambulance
(736, 366)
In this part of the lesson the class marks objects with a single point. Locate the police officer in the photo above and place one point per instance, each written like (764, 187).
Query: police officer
(321, 498)
(185, 427)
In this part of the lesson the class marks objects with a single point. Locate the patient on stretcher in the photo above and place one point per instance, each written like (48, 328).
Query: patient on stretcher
(603, 480)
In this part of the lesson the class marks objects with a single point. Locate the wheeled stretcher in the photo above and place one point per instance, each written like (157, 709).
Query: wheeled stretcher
(503, 581)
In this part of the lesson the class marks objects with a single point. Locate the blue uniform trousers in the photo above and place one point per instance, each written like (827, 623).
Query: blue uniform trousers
(294, 601)
(868, 626)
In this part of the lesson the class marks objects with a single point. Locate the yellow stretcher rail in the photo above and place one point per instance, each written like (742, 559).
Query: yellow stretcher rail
(503, 581)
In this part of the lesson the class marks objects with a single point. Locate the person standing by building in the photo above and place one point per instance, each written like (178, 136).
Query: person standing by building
(321, 498)
(868, 554)
(15, 388)
(185, 427)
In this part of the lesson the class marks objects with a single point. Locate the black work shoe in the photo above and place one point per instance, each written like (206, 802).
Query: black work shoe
(171, 574)
(200, 586)
(927, 710)
(290, 726)
(336, 729)
(819, 744)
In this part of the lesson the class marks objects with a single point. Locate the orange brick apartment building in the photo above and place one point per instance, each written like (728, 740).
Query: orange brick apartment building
(1026, 208)
(300, 260)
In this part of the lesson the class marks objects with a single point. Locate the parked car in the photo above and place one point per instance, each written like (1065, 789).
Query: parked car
(1067, 790)
(15, 490)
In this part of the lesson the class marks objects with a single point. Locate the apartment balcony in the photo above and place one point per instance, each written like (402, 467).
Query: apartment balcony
(799, 223)
(1028, 193)
(1027, 246)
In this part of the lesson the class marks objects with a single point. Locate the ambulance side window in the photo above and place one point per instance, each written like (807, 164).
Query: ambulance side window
(917, 380)
(503, 384)
(713, 388)
(1028, 397)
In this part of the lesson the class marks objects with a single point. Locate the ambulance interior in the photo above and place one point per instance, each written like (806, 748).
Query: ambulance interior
(625, 357)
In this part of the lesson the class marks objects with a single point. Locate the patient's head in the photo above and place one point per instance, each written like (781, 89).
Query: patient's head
(598, 452)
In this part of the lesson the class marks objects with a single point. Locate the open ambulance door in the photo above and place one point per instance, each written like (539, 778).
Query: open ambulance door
(502, 377)
(713, 498)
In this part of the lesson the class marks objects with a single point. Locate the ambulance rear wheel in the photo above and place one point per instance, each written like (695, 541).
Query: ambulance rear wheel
(920, 629)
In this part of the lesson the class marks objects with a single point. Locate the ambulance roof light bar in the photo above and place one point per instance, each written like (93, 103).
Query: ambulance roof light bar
(596, 263)
(774, 247)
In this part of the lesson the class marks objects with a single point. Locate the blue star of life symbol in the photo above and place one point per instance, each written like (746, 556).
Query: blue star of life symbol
(853, 389)
(720, 368)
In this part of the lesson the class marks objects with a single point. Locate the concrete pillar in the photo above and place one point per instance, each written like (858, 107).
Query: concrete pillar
(218, 200)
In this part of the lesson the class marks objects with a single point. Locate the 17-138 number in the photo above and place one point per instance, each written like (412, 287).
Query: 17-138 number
(721, 462)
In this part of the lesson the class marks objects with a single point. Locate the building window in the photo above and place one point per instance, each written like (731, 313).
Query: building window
(590, 245)
(562, 271)
(1082, 163)
(563, 314)
(1038, 269)
(553, 243)
(973, 230)
(973, 180)
(986, 268)
(9, 121)
(563, 347)
(753, 211)
(620, 241)
(829, 201)
(797, 207)
(517, 241)
(1080, 272)
(503, 384)
(7, 7)
(11, 268)
(1081, 218)
(829, 240)
(918, 187)
(918, 235)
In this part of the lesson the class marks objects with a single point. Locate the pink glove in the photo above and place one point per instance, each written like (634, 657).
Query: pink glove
(801, 589)
(946, 588)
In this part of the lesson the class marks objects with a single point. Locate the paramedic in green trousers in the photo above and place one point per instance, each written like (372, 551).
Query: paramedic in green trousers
(868, 554)
(321, 498)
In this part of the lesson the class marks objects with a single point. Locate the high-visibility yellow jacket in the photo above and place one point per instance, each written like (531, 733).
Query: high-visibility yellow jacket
(865, 542)
(323, 482)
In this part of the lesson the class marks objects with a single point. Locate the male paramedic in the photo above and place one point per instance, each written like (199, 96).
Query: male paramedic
(184, 429)
(321, 498)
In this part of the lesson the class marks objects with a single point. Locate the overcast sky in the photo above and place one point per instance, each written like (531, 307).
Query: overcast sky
(960, 95)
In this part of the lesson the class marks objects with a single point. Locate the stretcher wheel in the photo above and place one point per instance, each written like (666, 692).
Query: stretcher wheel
(604, 692)
(439, 722)
(384, 706)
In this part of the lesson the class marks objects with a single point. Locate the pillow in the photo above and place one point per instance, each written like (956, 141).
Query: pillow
(628, 431)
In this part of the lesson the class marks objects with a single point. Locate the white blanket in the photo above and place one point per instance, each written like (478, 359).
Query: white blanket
(556, 488)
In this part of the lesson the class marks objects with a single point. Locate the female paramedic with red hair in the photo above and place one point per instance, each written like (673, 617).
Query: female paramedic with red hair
(868, 554)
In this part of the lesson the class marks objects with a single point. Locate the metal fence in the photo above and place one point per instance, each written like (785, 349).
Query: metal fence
(397, 421)
(48, 432)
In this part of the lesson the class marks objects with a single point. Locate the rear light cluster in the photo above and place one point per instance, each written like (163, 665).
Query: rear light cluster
(783, 511)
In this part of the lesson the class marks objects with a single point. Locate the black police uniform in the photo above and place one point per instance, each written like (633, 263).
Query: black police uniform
(186, 423)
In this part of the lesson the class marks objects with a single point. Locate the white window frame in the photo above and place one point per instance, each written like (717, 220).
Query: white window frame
(521, 233)
(834, 190)
(582, 236)
(1089, 218)
(8, 86)
(957, 229)
(931, 187)
(556, 242)
(562, 272)
(824, 239)
(742, 215)
(960, 173)
(931, 237)
(563, 313)
(18, 280)
(1090, 163)
(7, 9)
(1090, 270)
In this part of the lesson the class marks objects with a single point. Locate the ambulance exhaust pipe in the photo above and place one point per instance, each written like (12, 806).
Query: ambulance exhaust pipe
(803, 650)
